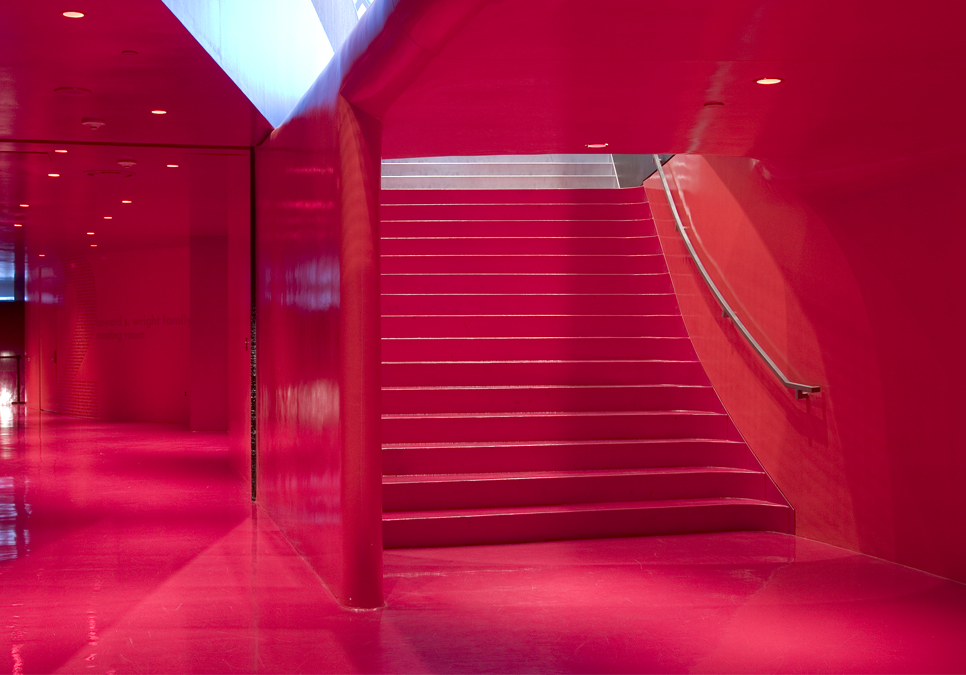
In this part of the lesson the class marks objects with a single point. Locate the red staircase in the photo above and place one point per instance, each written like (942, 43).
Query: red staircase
(538, 380)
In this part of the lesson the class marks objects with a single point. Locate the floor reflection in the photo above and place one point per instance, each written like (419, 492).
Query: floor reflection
(135, 548)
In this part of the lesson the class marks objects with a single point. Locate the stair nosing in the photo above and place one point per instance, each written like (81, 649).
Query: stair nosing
(443, 445)
(497, 476)
(394, 363)
(390, 516)
(527, 387)
(564, 413)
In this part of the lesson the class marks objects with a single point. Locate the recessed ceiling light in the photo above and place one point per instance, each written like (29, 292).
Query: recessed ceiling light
(597, 146)
(93, 245)
(73, 15)
(108, 217)
(172, 166)
(769, 80)
(61, 152)
(125, 201)
(90, 233)
(24, 206)
(18, 224)
(159, 112)
(41, 255)
(54, 175)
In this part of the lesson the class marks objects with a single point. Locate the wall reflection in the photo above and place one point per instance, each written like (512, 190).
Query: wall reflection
(15, 510)
(14, 516)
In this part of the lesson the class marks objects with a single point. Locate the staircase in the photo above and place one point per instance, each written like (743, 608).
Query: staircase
(538, 381)
(500, 172)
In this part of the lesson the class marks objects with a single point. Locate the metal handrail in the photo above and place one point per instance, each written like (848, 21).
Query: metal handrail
(801, 390)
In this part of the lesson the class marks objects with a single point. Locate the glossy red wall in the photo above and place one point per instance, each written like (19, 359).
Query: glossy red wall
(111, 331)
(319, 464)
(851, 282)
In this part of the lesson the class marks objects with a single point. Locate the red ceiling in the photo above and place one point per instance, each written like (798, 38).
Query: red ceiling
(864, 81)
(40, 51)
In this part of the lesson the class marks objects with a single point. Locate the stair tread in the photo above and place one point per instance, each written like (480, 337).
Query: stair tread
(529, 295)
(501, 256)
(406, 479)
(554, 413)
(460, 387)
(526, 238)
(574, 508)
(607, 441)
(553, 361)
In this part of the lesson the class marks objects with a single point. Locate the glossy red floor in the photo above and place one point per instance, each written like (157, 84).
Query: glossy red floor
(133, 548)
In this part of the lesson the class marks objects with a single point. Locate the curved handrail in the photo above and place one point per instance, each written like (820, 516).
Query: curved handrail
(801, 390)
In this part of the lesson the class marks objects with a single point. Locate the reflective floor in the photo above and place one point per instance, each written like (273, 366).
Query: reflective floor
(134, 548)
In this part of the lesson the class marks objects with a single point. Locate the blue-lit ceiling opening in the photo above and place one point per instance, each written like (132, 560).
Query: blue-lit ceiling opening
(8, 274)
(272, 49)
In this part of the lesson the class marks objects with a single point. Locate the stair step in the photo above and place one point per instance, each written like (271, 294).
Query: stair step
(628, 227)
(510, 182)
(588, 304)
(496, 373)
(492, 282)
(524, 211)
(542, 488)
(523, 263)
(520, 245)
(536, 348)
(573, 455)
(554, 325)
(494, 167)
(456, 427)
(580, 521)
(540, 398)
(633, 196)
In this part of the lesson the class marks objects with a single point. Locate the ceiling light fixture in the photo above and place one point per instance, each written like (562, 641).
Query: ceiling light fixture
(73, 92)
(18, 224)
(90, 233)
(92, 123)
(159, 112)
(73, 15)
(24, 206)
(61, 152)
(597, 146)
(108, 217)
(769, 80)
(93, 245)
(125, 201)
(54, 175)
(172, 166)
(41, 255)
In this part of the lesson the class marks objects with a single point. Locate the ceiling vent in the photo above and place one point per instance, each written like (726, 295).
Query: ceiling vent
(109, 173)
(72, 91)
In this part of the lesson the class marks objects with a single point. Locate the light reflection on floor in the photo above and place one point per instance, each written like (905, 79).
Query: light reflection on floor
(146, 556)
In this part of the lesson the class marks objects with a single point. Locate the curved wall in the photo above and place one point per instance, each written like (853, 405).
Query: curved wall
(852, 284)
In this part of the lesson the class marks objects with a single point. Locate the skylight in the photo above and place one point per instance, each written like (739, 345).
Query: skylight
(272, 49)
